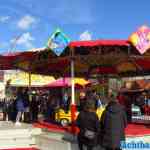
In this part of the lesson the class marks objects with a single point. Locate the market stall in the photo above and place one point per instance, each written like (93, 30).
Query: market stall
(80, 58)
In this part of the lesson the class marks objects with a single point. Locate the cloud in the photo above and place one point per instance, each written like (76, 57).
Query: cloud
(4, 19)
(26, 22)
(3, 44)
(25, 40)
(85, 36)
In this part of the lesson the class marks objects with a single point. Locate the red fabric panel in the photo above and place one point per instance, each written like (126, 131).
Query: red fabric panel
(104, 70)
(6, 62)
(131, 130)
(99, 43)
(144, 63)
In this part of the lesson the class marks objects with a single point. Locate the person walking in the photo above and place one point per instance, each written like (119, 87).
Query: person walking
(5, 109)
(112, 125)
(26, 103)
(88, 123)
(34, 108)
(19, 106)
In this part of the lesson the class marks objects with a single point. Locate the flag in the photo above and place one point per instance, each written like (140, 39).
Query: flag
(141, 39)
(57, 42)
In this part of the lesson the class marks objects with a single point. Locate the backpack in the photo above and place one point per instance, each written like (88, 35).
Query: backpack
(89, 134)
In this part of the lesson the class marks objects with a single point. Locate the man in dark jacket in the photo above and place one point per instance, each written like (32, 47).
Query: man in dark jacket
(34, 108)
(88, 123)
(113, 123)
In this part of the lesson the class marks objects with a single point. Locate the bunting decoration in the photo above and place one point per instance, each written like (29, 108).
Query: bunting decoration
(141, 39)
(57, 42)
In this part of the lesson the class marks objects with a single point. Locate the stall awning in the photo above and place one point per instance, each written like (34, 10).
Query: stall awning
(99, 43)
(22, 79)
(66, 82)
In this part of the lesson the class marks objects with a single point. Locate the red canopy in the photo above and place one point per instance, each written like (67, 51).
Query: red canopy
(6, 62)
(11, 60)
(99, 43)
(103, 53)
(144, 63)
(66, 82)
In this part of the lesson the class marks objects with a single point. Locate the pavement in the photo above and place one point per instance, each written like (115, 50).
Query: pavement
(50, 140)
(46, 139)
(17, 136)
(56, 141)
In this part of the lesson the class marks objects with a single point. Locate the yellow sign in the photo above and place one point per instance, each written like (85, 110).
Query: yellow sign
(22, 79)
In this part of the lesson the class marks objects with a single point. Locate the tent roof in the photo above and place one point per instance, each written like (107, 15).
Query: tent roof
(112, 52)
(99, 43)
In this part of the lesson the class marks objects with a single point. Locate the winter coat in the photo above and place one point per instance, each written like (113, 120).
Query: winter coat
(112, 124)
(26, 101)
(20, 104)
(82, 103)
(87, 120)
(34, 106)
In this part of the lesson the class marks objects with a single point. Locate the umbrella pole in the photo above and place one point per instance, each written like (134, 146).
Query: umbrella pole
(73, 105)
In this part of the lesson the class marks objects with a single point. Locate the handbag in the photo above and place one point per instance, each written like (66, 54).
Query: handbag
(89, 134)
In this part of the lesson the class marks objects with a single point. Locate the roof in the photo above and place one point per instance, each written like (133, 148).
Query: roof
(99, 43)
